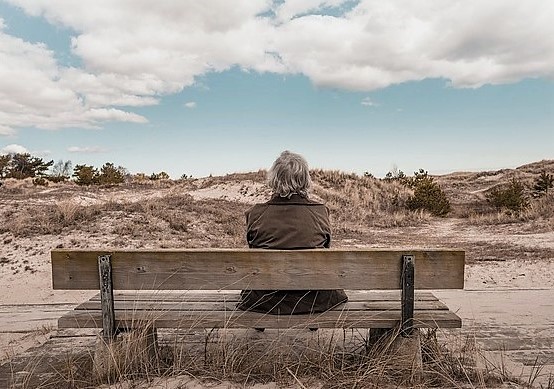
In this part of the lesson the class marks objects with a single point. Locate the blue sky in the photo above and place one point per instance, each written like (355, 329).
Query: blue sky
(353, 86)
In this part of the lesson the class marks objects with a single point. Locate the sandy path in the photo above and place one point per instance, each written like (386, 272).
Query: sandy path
(514, 325)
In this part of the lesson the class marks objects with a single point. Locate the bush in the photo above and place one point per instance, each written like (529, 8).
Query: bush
(511, 198)
(428, 195)
(86, 175)
(542, 184)
(110, 175)
(396, 175)
(22, 166)
(40, 181)
(159, 176)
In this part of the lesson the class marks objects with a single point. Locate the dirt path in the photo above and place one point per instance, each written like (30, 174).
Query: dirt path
(515, 327)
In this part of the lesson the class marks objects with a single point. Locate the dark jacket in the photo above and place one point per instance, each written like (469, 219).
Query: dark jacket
(289, 224)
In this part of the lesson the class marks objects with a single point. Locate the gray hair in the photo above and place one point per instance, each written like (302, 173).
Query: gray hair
(289, 175)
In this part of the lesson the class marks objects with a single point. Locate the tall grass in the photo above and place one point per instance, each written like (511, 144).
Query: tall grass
(293, 357)
(365, 201)
(174, 216)
(539, 215)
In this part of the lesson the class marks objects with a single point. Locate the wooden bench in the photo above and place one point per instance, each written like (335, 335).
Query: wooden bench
(203, 283)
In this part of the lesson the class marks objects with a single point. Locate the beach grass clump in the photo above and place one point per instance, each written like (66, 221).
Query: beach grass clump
(366, 201)
(289, 357)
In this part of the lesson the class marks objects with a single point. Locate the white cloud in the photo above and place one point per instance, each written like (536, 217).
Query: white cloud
(377, 44)
(5, 130)
(190, 104)
(374, 44)
(86, 149)
(367, 102)
(36, 92)
(13, 149)
(112, 114)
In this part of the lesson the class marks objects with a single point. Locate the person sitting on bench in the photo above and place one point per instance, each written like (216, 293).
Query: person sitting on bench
(289, 221)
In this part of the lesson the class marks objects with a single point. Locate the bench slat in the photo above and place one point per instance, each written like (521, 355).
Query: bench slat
(241, 319)
(353, 295)
(230, 306)
(258, 269)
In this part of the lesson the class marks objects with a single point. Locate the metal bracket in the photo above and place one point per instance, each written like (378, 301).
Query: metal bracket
(106, 297)
(407, 279)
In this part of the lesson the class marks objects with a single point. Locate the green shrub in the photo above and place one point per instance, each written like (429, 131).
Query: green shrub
(542, 184)
(428, 195)
(159, 176)
(396, 175)
(111, 175)
(23, 166)
(511, 197)
(85, 175)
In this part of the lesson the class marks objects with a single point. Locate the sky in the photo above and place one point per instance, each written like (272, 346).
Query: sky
(217, 86)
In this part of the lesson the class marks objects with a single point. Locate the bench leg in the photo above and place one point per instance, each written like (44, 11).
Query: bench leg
(402, 353)
(134, 350)
(408, 357)
(377, 334)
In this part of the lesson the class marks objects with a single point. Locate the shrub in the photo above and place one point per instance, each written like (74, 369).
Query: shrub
(40, 181)
(542, 184)
(368, 175)
(159, 176)
(85, 175)
(428, 195)
(396, 175)
(109, 174)
(23, 166)
(512, 197)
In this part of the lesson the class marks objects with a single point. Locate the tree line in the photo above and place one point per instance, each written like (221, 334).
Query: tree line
(428, 195)
(24, 165)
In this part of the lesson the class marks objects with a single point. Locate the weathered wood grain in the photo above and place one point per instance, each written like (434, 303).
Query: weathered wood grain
(241, 319)
(206, 269)
(230, 306)
(233, 296)
(106, 297)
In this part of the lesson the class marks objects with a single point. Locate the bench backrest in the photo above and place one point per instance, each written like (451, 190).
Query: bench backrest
(191, 269)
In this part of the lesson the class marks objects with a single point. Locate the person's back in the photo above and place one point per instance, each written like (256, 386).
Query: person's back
(288, 224)
(289, 221)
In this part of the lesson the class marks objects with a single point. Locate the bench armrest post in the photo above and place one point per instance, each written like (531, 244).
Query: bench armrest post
(408, 262)
(106, 297)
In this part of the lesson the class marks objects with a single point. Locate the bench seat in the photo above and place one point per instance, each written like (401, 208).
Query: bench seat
(213, 309)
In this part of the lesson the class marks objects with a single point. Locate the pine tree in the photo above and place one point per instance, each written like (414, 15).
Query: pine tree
(542, 184)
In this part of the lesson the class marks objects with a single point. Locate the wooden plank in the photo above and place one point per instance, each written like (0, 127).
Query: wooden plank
(241, 319)
(258, 269)
(353, 295)
(231, 306)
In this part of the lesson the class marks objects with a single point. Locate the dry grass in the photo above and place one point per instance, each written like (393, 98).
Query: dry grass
(165, 214)
(365, 201)
(188, 223)
(296, 357)
(538, 217)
